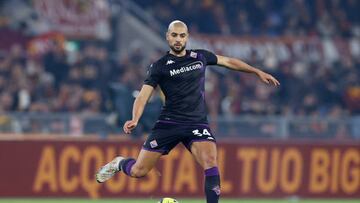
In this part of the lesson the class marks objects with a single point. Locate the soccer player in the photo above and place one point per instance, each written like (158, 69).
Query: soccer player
(180, 75)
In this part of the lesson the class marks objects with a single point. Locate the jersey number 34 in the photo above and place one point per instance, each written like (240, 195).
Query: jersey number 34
(204, 132)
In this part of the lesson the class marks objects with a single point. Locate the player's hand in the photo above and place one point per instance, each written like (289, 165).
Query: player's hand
(129, 126)
(267, 78)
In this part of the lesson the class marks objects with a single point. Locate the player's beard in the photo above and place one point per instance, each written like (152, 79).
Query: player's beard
(177, 51)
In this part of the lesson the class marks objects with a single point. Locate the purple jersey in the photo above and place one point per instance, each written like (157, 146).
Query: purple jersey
(182, 80)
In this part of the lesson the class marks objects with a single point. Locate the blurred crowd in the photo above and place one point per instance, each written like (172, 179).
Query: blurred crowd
(306, 89)
(262, 17)
(53, 83)
(83, 81)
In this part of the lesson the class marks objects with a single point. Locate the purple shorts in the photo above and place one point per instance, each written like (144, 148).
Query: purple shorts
(167, 134)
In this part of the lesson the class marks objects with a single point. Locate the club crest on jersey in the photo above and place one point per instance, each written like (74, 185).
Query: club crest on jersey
(193, 54)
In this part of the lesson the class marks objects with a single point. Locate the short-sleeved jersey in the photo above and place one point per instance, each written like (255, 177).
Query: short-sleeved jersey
(182, 80)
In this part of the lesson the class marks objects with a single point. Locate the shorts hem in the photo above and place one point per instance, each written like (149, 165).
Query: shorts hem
(200, 140)
(155, 150)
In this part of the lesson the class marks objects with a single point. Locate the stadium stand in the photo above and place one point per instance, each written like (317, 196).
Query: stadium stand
(83, 81)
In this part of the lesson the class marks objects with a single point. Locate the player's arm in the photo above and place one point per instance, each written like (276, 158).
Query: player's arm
(238, 65)
(138, 107)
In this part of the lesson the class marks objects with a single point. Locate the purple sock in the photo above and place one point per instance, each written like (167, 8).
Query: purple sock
(214, 171)
(126, 165)
(212, 185)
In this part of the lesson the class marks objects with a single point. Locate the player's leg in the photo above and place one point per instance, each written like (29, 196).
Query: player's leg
(131, 167)
(138, 168)
(160, 142)
(205, 154)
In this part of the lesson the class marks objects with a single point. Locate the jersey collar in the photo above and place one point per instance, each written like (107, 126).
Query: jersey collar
(179, 57)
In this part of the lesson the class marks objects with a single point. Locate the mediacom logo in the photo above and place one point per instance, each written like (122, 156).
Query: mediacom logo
(193, 66)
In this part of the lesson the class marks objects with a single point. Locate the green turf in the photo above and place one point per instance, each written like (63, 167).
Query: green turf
(25, 200)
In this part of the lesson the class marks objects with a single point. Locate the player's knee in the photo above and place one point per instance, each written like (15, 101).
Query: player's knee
(210, 161)
(139, 171)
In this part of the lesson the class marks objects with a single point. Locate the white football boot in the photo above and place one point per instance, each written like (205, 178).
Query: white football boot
(109, 170)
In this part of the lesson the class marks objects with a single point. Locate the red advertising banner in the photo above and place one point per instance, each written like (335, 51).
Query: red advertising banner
(76, 18)
(248, 169)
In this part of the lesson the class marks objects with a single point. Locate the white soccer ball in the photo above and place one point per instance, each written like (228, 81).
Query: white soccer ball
(168, 200)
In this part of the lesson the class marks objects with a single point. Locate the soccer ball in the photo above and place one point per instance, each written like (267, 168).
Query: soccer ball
(168, 200)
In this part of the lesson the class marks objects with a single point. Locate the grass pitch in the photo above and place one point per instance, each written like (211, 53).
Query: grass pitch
(44, 200)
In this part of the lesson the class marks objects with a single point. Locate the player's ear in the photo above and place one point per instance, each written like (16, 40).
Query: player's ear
(167, 35)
